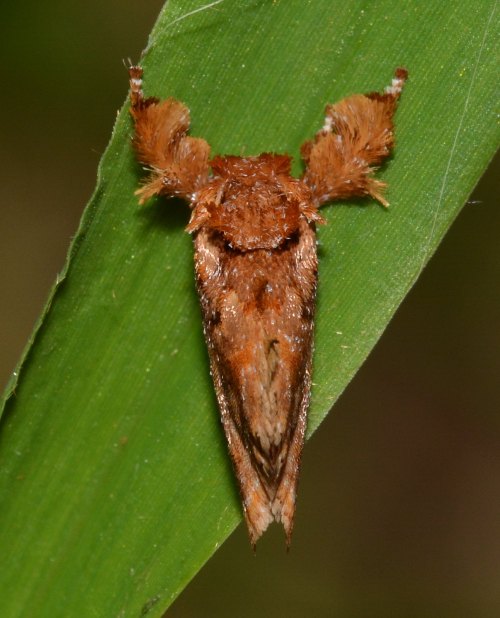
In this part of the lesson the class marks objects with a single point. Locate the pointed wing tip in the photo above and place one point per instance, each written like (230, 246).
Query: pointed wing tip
(260, 516)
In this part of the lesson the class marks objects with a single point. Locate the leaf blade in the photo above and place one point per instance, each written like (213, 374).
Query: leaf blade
(122, 431)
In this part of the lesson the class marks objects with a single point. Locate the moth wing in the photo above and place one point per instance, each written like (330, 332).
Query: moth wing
(258, 319)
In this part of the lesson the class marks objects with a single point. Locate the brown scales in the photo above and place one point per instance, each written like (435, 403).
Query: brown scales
(253, 227)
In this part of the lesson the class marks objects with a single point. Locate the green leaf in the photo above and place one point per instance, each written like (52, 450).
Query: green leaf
(115, 483)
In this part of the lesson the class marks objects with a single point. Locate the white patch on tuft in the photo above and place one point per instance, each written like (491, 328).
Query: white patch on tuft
(327, 127)
(395, 87)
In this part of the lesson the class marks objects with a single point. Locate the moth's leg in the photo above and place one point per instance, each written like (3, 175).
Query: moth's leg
(178, 164)
(357, 136)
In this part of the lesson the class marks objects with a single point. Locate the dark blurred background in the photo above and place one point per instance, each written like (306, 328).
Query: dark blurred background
(399, 510)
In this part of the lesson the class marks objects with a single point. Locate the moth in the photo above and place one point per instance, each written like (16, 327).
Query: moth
(254, 232)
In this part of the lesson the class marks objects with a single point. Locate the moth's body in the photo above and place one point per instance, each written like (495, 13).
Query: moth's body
(257, 294)
(253, 227)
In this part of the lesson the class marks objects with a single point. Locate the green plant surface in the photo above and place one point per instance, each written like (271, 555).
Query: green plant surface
(115, 482)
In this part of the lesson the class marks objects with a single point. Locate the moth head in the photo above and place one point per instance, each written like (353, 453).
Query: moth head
(253, 202)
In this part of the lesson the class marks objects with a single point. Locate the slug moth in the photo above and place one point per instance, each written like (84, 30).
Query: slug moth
(254, 234)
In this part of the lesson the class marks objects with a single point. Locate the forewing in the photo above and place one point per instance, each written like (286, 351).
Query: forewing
(258, 310)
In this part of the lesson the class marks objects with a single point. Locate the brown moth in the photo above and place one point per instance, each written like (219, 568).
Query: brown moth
(254, 235)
